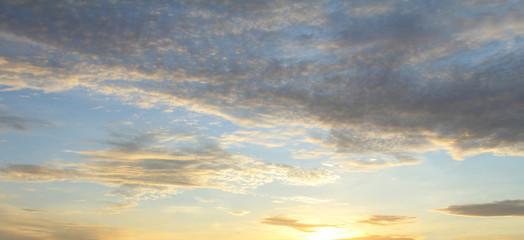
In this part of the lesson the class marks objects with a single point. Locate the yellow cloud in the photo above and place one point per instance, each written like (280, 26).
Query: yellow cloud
(285, 221)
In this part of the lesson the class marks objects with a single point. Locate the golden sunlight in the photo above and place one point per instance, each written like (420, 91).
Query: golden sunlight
(329, 233)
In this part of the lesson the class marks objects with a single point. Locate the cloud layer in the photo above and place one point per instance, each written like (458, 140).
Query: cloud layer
(506, 208)
(142, 165)
(387, 220)
(386, 79)
(280, 220)
(9, 121)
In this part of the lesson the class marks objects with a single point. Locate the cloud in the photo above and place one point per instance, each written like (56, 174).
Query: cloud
(280, 220)
(204, 200)
(238, 213)
(387, 220)
(119, 206)
(505, 208)
(141, 166)
(312, 177)
(388, 80)
(37, 173)
(271, 138)
(25, 225)
(303, 199)
(9, 121)
(37, 210)
(378, 237)
(234, 212)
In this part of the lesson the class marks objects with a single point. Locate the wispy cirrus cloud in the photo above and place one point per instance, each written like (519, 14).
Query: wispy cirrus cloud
(387, 220)
(10, 121)
(141, 167)
(505, 208)
(118, 207)
(380, 79)
(37, 210)
(285, 221)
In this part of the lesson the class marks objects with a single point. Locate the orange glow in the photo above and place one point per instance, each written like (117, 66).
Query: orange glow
(329, 233)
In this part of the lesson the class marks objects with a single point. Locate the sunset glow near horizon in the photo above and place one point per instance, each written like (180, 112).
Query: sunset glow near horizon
(261, 120)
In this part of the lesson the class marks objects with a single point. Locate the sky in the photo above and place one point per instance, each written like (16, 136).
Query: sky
(262, 120)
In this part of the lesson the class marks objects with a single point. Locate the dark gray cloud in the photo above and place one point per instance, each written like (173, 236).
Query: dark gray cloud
(387, 220)
(506, 208)
(285, 221)
(386, 78)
